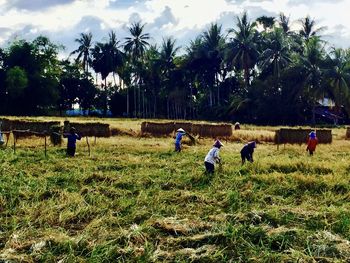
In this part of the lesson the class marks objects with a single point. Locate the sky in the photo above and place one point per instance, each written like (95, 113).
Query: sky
(63, 20)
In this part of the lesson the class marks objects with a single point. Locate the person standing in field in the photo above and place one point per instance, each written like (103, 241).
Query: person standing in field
(247, 152)
(312, 142)
(213, 157)
(179, 134)
(72, 138)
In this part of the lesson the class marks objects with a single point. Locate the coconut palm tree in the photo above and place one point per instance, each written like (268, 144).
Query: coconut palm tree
(243, 46)
(312, 63)
(214, 45)
(338, 77)
(309, 29)
(84, 50)
(135, 46)
(276, 54)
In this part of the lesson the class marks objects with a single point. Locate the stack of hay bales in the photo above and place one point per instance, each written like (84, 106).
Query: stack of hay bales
(93, 129)
(202, 130)
(34, 126)
(300, 136)
(157, 129)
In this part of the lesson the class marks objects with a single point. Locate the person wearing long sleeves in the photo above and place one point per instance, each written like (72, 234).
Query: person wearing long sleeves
(72, 138)
(247, 152)
(213, 157)
(179, 134)
(311, 143)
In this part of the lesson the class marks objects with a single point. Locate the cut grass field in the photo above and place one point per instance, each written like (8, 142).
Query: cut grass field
(136, 200)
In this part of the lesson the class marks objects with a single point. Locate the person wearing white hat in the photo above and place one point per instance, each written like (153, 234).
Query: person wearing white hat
(213, 157)
(179, 134)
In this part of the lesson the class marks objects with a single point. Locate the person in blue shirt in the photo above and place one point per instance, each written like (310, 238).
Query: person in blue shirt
(72, 141)
(180, 133)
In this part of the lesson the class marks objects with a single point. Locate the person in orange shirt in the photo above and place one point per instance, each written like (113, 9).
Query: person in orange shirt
(312, 142)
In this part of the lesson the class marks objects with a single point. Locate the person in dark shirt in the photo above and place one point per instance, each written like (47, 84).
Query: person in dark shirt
(247, 152)
(72, 141)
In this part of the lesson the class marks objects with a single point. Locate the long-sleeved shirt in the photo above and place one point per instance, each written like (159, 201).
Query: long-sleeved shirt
(248, 150)
(72, 139)
(213, 155)
(178, 137)
(311, 144)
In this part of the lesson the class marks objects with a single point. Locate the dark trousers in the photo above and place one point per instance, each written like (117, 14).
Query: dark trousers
(209, 167)
(70, 151)
(246, 157)
(178, 147)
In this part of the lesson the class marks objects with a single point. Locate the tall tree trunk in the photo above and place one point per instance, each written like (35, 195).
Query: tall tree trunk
(105, 99)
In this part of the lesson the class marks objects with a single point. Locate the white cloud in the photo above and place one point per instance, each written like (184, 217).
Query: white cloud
(64, 20)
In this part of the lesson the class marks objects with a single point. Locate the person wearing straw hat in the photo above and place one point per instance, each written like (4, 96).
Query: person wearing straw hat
(312, 142)
(72, 138)
(247, 152)
(213, 157)
(179, 134)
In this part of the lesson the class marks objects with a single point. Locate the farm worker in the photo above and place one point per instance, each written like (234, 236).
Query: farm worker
(213, 157)
(179, 134)
(312, 142)
(1, 137)
(72, 140)
(237, 126)
(247, 151)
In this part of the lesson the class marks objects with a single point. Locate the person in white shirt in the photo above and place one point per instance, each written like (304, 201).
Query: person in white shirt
(213, 157)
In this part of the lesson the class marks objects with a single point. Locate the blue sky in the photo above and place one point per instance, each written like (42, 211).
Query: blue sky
(63, 20)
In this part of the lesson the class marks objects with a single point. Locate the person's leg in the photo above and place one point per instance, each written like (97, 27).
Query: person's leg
(243, 158)
(70, 151)
(177, 147)
(209, 167)
(311, 152)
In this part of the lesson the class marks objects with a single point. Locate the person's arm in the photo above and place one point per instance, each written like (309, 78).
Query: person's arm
(77, 136)
(217, 157)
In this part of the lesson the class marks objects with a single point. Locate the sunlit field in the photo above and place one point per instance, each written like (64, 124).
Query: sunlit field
(136, 200)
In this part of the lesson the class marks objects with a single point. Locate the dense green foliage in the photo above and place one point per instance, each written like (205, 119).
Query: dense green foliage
(136, 200)
(257, 71)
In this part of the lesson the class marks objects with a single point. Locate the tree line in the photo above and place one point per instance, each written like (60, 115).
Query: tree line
(258, 71)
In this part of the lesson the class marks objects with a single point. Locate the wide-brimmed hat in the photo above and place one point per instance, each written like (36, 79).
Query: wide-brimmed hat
(181, 130)
(312, 134)
(217, 143)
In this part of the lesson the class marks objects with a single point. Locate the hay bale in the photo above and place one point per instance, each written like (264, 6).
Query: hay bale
(35, 126)
(157, 129)
(56, 135)
(300, 136)
(27, 133)
(92, 129)
(212, 130)
(347, 135)
(187, 126)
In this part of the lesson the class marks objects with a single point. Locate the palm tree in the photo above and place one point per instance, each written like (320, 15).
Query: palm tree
(308, 28)
(116, 54)
(214, 45)
(276, 55)
(284, 23)
(166, 57)
(84, 50)
(135, 47)
(243, 46)
(312, 62)
(338, 77)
